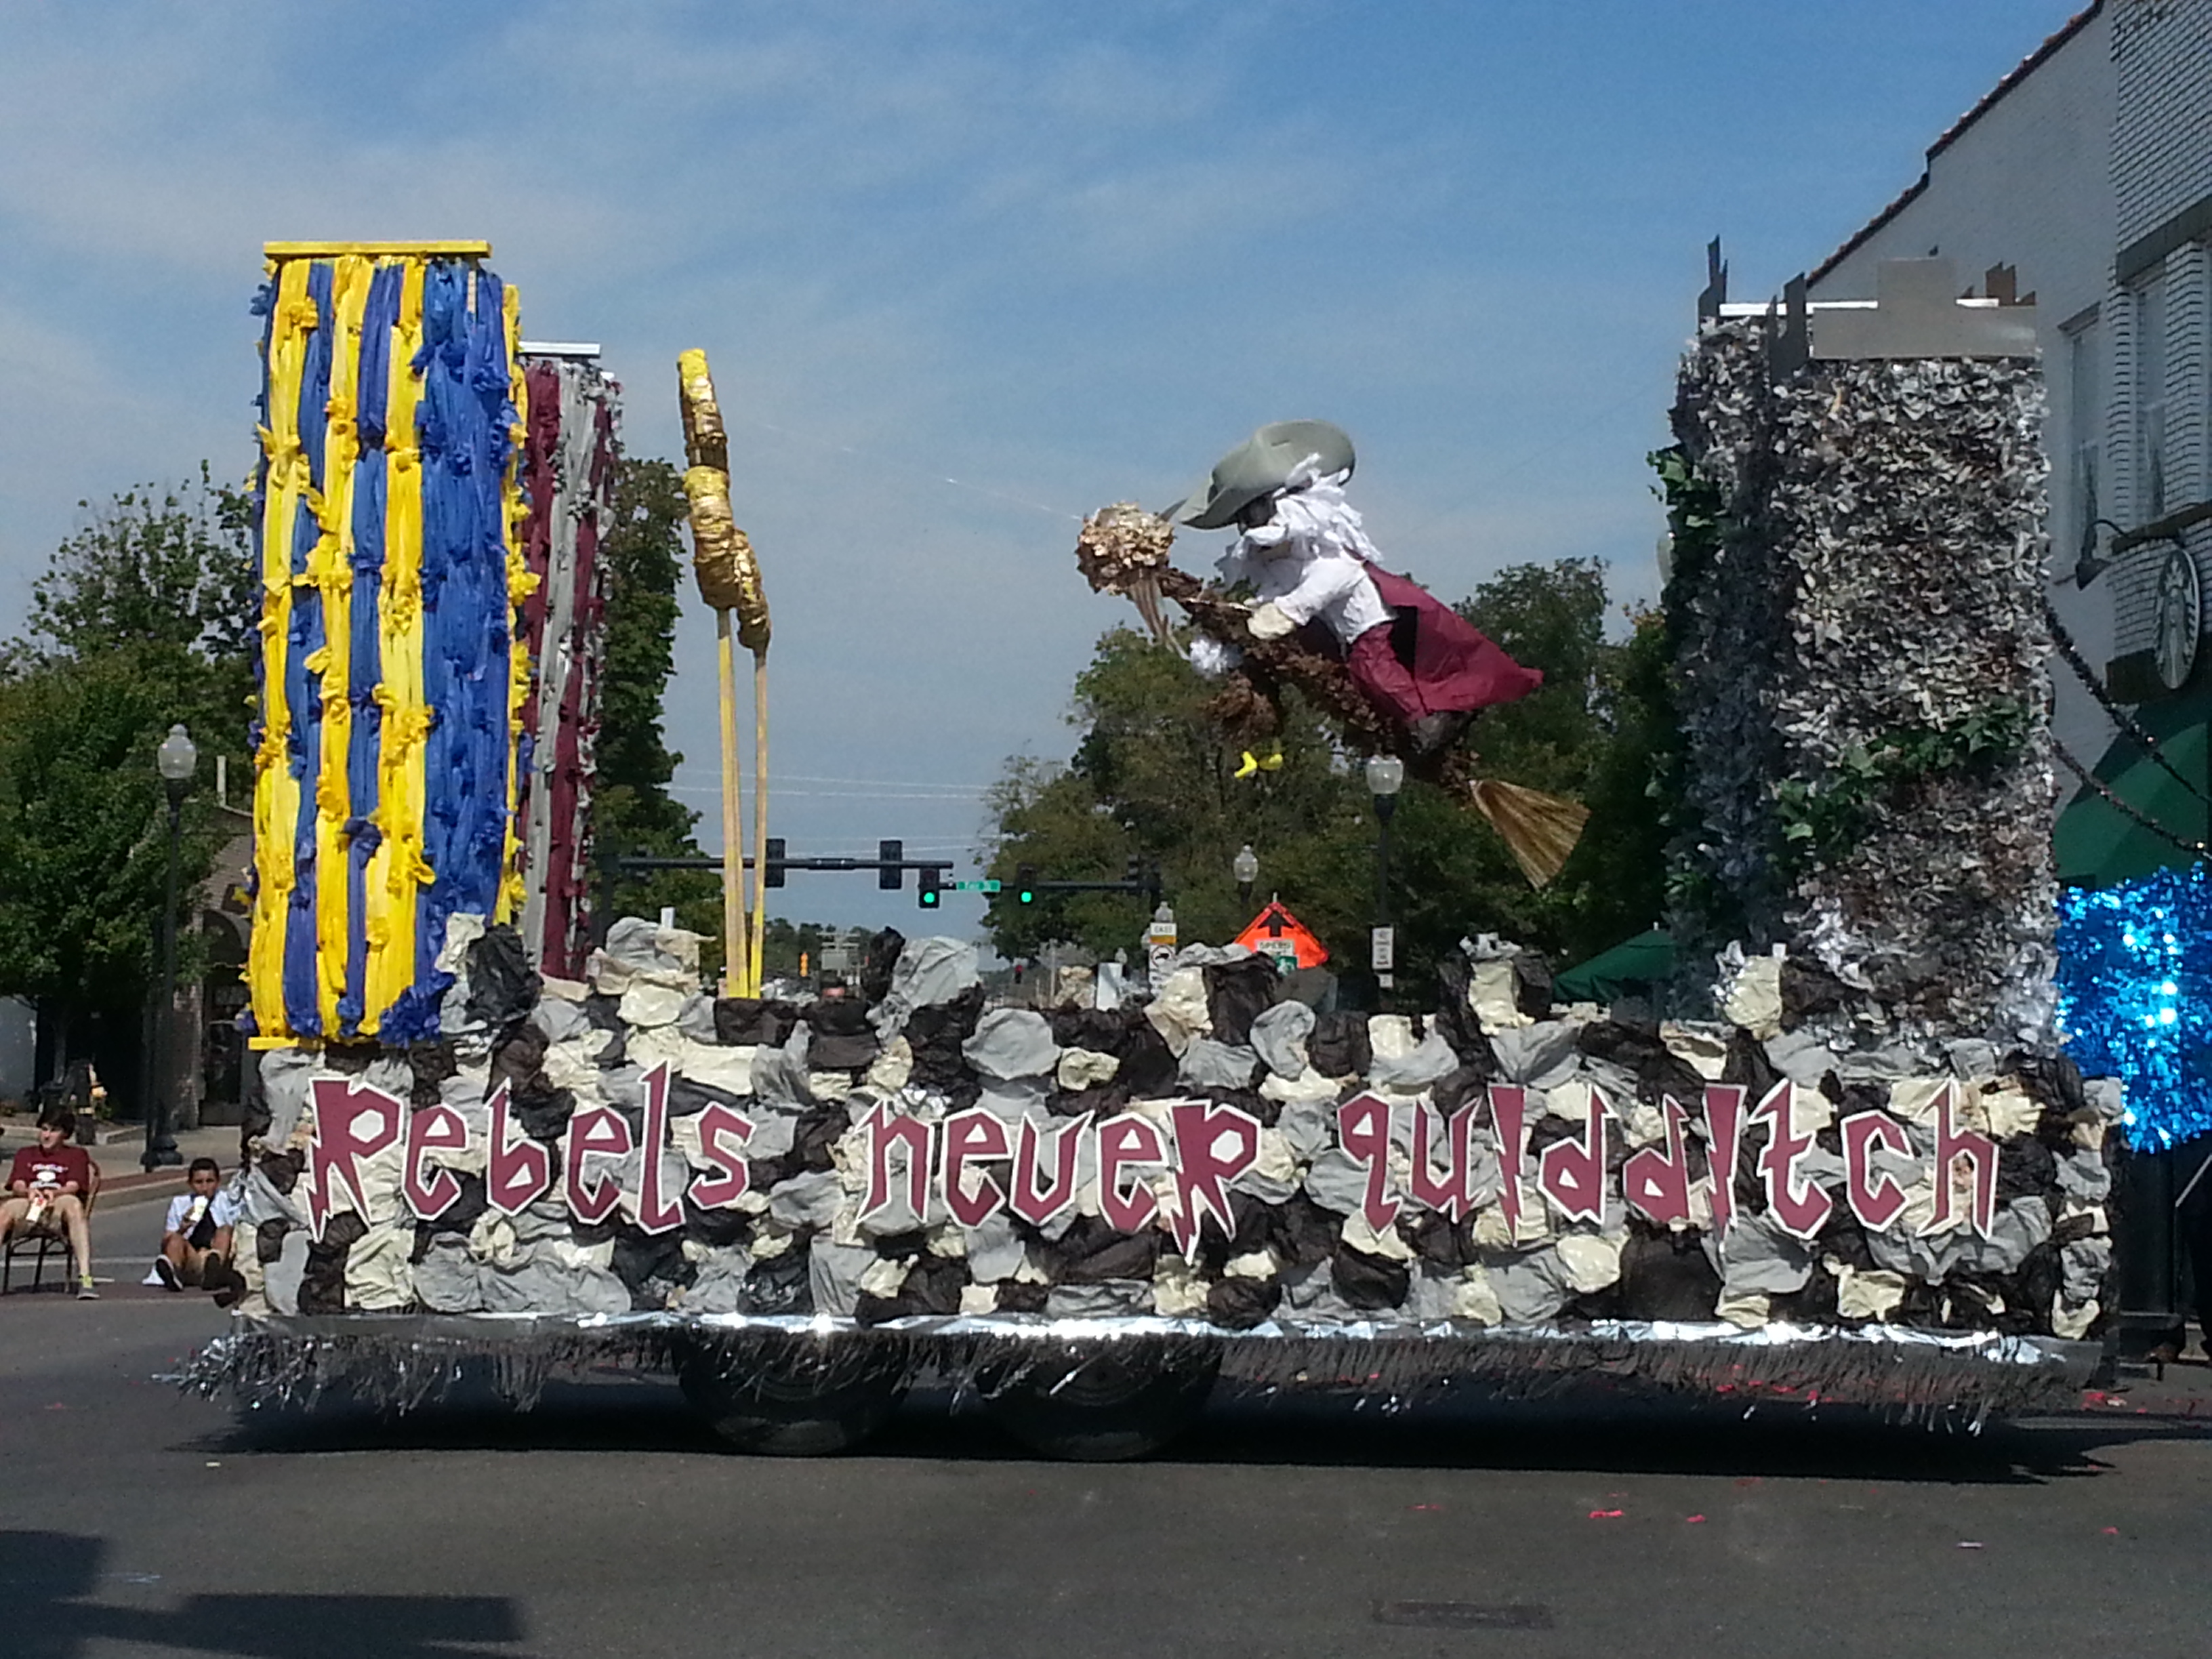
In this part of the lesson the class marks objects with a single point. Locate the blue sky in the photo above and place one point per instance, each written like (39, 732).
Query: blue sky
(965, 272)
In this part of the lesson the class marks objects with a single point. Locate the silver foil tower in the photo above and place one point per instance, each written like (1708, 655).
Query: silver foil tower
(1856, 596)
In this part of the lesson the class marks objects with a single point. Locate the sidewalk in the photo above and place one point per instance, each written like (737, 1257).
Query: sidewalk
(126, 1221)
(121, 1145)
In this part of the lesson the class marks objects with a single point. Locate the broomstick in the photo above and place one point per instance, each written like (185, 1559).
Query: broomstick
(729, 579)
(1123, 550)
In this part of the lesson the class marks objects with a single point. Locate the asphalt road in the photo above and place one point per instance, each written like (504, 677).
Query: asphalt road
(135, 1522)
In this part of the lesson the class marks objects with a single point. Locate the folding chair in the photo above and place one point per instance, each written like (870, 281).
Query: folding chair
(43, 1241)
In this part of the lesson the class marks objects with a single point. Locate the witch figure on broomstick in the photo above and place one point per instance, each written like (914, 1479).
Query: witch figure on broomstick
(1303, 601)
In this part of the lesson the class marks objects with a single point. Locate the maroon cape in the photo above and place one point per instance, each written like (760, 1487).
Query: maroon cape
(1431, 660)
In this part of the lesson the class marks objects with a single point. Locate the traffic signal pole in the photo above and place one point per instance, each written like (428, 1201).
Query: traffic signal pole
(891, 873)
(1143, 879)
(890, 866)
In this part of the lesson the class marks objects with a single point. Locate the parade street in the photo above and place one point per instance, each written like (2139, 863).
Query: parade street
(139, 1521)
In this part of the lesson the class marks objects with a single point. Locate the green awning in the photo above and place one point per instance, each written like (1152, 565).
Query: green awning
(2096, 843)
(1628, 970)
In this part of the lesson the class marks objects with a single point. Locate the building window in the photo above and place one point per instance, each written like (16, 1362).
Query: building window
(2085, 423)
(2151, 401)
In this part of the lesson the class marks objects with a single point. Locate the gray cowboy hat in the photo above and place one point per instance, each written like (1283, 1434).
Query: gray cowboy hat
(1259, 466)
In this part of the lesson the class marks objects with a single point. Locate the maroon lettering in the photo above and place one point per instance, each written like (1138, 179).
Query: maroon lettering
(1952, 1143)
(434, 1129)
(1723, 1135)
(594, 1131)
(657, 1211)
(1204, 1169)
(1655, 1181)
(1797, 1204)
(517, 1175)
(1363, 1129)
(1571, 1173)
(1125, 1142)
(350, 1124)
(1038, 1206)
(1509, 1118)
(888, 1131)
(1453, 1197)
(1875, 1198)
(976, 1134)
(723, 1131)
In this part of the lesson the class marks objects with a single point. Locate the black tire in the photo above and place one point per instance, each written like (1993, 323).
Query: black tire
(801, 1403)
(1103, 1407)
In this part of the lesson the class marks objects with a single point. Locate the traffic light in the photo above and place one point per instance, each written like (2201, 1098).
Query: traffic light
(1025, 883)
(772, 862)
(890, 852)
(1133, 871)
(925, 881)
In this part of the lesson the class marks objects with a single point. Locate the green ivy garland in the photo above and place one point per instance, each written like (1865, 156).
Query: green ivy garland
(1823, 822)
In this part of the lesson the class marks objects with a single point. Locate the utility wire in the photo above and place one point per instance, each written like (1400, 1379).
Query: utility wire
(2194, 848)
(886, 783)
(881, 460)
(2120, 717)
(704, 791)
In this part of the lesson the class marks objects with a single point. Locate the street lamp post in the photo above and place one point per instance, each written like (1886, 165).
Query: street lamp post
(1386, 775)
(1245, 866)
(176, 760)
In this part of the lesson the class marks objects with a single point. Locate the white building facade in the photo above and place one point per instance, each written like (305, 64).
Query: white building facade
(2085, 178)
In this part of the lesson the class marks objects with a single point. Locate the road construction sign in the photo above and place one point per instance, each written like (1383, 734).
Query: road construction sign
(1276, 932)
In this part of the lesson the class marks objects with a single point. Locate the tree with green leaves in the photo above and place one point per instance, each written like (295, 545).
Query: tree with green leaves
(1152, 778)
(143, 618)
(632, 808)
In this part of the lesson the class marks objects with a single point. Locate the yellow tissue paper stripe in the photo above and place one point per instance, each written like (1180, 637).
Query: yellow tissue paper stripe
(397, 870)
(519, 584)
(275, 791)
(413, 251)
(330, 569)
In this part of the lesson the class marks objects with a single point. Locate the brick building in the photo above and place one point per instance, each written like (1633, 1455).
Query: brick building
(2085, 177)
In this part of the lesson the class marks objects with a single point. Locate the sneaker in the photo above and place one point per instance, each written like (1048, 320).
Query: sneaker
(223, 1280)
(166, 1270)
(84, 1289)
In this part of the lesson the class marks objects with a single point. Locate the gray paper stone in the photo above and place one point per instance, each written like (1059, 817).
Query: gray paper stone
(1279, 1036)
(1210, 1065)
(1541, 1055)
(1011, 1043)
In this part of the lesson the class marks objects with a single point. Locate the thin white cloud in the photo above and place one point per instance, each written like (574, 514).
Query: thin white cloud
(1061, 255)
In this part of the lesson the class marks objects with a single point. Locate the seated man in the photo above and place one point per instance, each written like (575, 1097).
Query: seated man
(48, 1186)
(196, 1239)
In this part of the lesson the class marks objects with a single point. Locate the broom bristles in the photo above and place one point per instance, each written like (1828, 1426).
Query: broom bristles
(1539, 830)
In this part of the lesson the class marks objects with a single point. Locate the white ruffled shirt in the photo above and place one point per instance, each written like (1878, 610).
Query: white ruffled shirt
(1310, 560)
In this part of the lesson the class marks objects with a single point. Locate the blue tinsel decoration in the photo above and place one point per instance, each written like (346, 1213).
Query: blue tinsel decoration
(2135, 998)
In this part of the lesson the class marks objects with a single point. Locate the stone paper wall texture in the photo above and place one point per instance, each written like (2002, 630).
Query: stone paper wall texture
(1862, 659)
(1305, 1245)
(570, 458)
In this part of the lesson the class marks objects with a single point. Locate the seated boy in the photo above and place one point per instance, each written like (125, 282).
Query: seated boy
(195, 1238)
(47, 1186)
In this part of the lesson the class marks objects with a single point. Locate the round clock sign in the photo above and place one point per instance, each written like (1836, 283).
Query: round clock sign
(2177, 611)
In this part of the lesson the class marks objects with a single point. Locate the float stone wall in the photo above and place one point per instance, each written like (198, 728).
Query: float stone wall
(1861, 665)
(1328, 1222)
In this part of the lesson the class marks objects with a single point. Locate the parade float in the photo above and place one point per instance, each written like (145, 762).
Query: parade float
(1843, 1159)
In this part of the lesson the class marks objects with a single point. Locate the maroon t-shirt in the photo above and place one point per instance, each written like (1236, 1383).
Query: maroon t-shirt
(34, 1166)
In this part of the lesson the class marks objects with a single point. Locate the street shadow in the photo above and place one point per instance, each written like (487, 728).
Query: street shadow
(622, 1414)
(49, 1582)
(1600, 1432)
(1595, 1429)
